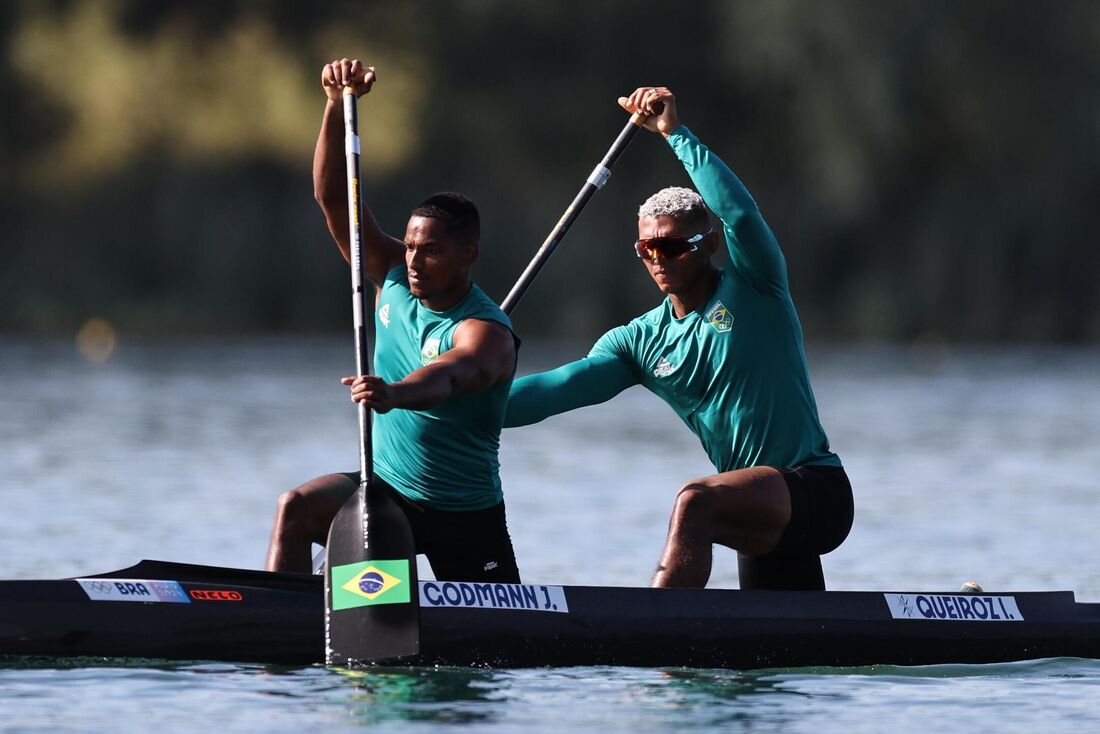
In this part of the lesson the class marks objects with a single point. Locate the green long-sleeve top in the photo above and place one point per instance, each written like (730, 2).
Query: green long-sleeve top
(734, 370)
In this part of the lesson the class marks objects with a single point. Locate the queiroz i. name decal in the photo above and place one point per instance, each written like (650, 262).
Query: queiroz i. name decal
(954, 607)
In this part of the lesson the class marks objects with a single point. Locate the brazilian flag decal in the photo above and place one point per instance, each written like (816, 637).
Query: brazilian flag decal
(370, 582)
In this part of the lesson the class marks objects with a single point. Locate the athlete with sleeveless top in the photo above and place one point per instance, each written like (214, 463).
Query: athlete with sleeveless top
(725, 351)
(445, 356)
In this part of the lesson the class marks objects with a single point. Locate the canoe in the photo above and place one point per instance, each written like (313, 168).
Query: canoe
(172, 611)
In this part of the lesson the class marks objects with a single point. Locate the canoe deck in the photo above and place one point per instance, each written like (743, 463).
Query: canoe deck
(176, 611)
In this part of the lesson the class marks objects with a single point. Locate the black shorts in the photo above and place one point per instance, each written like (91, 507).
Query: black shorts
(821, 517)
(471, 545)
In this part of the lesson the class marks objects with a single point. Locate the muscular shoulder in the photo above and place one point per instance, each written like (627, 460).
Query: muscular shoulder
(478, 330)
(491, 341)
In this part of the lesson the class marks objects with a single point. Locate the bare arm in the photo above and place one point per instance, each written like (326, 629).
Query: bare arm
(483, 355)
(381, 253)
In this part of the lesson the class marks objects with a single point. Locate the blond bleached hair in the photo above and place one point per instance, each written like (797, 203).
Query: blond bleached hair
(677, 202)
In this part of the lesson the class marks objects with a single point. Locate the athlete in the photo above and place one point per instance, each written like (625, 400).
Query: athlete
(724, 349)
(445, 356)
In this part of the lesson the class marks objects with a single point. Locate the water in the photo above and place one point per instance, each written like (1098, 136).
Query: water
(967, 464)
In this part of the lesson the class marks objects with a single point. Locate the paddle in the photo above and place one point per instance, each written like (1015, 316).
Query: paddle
(595, 181)
(371, 609)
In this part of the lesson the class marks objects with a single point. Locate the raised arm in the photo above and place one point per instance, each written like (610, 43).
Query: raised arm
(483, 354)
(753, 249)
(381, 253)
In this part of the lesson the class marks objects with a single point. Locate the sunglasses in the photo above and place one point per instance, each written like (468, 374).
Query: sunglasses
(668, 248)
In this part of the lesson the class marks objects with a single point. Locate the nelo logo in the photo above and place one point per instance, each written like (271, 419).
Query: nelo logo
(216, 595)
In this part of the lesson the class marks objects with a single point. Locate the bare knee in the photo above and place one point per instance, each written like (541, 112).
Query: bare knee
(292, 513)
(306, 511)
(694, 502)
(292, 503)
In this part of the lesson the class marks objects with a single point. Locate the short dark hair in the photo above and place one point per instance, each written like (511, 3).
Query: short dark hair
(457, 213)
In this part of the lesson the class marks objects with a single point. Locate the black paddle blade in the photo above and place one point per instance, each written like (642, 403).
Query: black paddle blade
(371, 606)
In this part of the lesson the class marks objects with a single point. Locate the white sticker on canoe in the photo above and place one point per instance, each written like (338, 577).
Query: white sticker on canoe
(527, 597)
(957, 607)
(143, 590)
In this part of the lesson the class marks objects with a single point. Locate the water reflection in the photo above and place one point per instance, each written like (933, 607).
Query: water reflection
(724, 698)
(451, 695)
(719, 684)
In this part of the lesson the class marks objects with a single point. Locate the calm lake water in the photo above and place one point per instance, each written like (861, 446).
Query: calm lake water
(966, 463)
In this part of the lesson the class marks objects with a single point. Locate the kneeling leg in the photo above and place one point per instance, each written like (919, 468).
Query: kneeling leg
(303, 518)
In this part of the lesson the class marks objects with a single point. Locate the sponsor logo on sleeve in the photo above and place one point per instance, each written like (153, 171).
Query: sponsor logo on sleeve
(384, 315)
(525, 597)
(954, 607)
(141, 590)
(370, 582)
(720, 318)
(430, 351)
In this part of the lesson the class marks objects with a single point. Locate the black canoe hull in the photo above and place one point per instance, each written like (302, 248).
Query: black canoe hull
(253, 616)
(278, 619)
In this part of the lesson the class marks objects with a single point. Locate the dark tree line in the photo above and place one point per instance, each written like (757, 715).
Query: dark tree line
(929, 168)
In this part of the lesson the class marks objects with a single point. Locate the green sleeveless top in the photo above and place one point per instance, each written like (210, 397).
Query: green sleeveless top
(444, 457)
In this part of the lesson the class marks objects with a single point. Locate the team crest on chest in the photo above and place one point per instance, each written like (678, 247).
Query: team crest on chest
(429, 352)
(720, 318)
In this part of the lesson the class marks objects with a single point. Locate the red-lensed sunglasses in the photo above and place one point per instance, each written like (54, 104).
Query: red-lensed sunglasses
(668, 248)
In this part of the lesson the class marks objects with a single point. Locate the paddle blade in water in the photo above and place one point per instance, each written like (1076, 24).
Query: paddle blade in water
(371, 610)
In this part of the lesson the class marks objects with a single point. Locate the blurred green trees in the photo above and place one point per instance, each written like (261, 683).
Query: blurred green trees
(929, 168)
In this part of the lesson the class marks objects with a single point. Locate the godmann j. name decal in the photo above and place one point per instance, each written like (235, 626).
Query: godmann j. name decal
(954, 607)
(527, 597)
